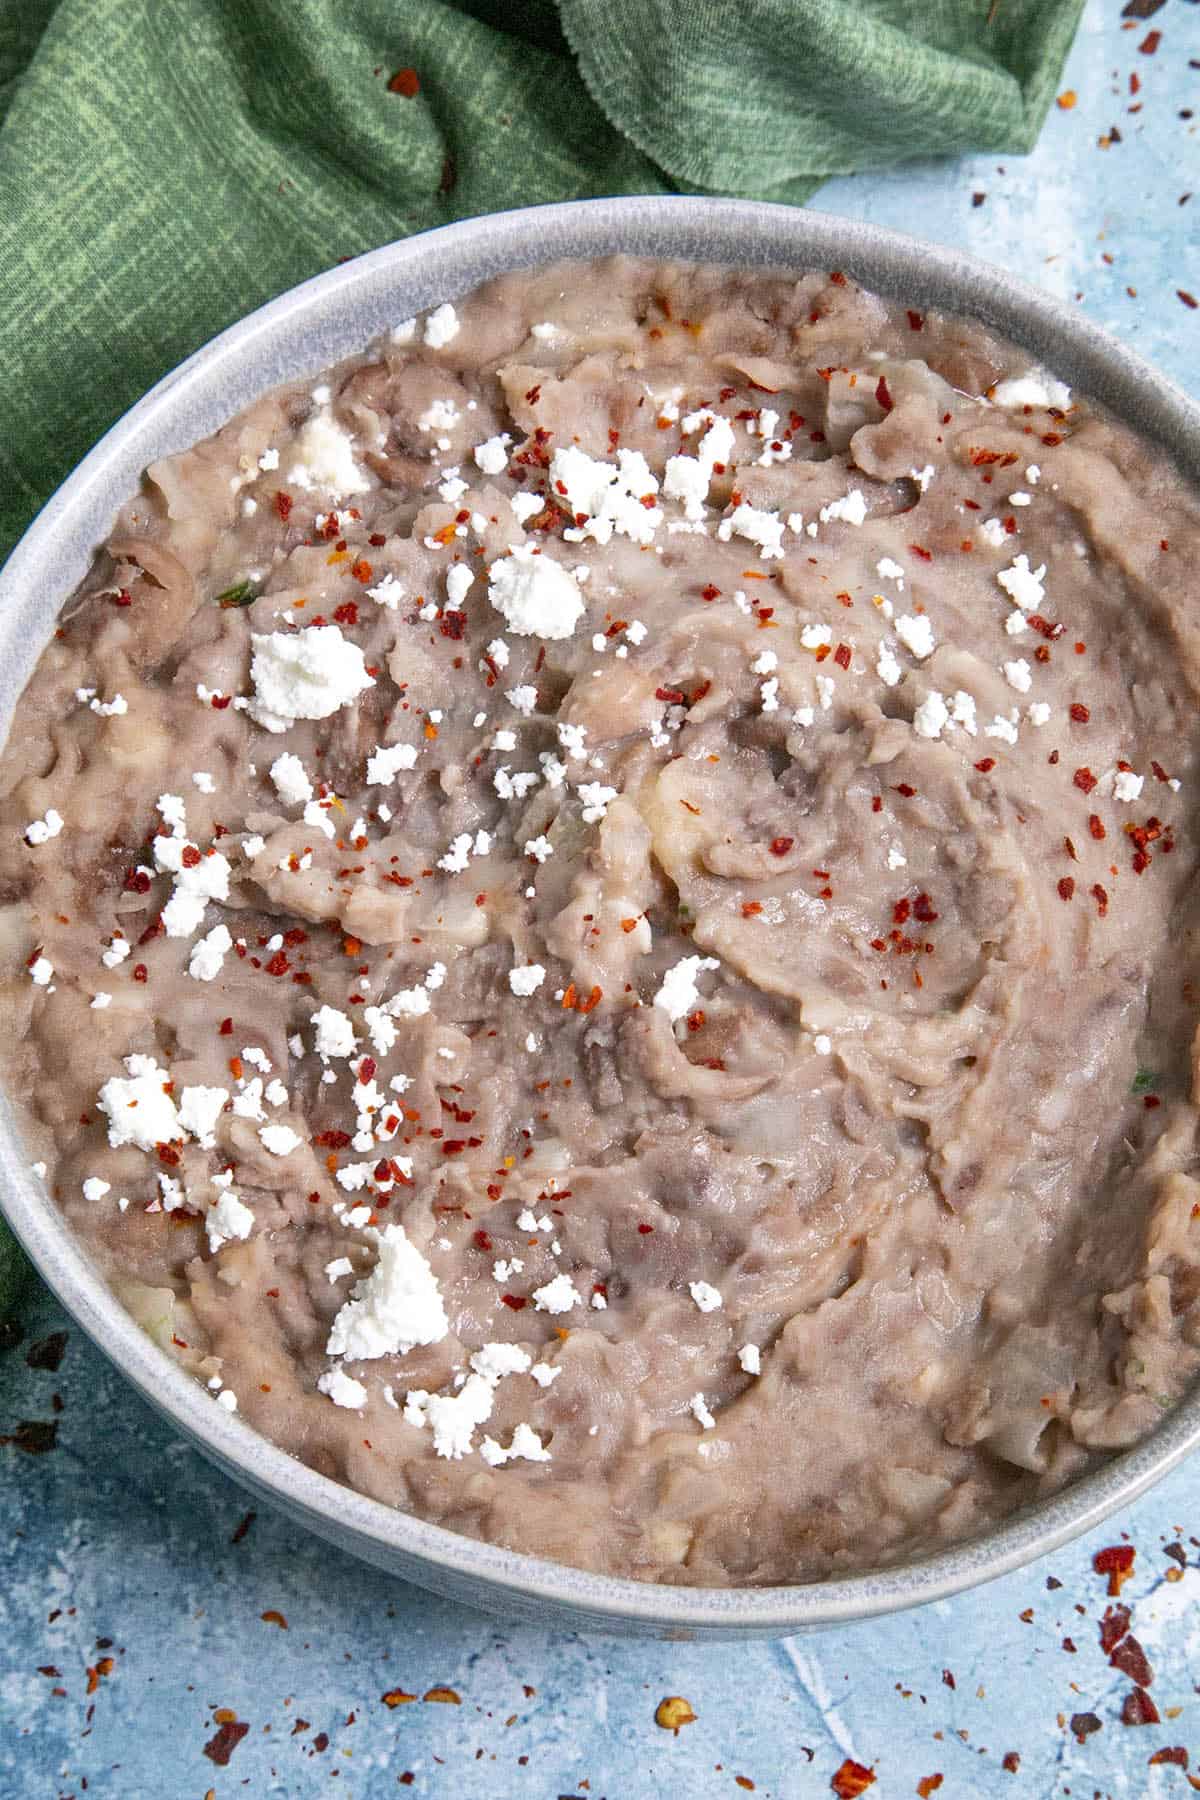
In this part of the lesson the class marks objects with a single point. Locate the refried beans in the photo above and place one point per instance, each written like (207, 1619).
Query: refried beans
(598, 922)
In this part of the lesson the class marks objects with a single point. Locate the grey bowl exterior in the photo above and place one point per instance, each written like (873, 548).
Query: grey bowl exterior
(302, 332)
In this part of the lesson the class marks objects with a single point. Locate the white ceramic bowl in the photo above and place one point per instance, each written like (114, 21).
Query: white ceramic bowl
(300, 333)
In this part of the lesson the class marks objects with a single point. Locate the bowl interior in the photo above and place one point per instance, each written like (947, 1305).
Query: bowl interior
(302, 333)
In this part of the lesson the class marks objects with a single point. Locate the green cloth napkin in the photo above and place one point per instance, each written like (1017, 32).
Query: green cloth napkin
(167, 165)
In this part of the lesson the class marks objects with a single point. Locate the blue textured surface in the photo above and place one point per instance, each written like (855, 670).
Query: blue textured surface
(122, 1533)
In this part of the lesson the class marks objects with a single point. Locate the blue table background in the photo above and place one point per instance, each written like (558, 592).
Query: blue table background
(119, 1544)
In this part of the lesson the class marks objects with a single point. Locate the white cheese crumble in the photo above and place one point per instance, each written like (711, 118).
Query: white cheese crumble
(492, 456)
(40, 831)
(384, 764)
(280, 1140)
(525, 1444)
(389, 592)
(290, 780)
(851, 507)
(1022, 584)
(1002, 728)
(326, 454)
(962, 712)
(762, 528)
(596, 800)
(1019, 675)
(536, 595)
(95, 1189)
(887, 666)
(198, 878)
(1038, 713)
(458, 580)
(701, 1414)
(1126, 785)
(707, 1297)
(916, 634)
(342, 1389)
(750, 1358)
(931, 716)
(199, 1110)
(526, 979)
(394, 1308)
(526, 506)
(679, 994)
(41, 971)
(138, 1107)
(1034, 388)
(540, 848)
(441, 326)
(228, 1218)
(557, 1296)
(306, 674)
(606, 497)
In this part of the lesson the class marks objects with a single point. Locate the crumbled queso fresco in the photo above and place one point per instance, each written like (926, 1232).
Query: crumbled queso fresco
(598, 919)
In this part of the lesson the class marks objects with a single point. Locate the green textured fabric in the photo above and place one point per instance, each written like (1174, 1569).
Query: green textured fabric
(167, 165)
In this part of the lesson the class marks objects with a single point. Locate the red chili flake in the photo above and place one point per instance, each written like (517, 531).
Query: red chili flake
(137, 882)
(901, 911)
(919, 550)
(905, 788)
(516, 1301)
(1048, 628)
(986, 764)
(1150, 42)
(297, 935)
(915, 321)
(883, 393)
(283, 505)
(141, 972)
(1115, 1561)
(362, 571)
(672, 696)
(780, 846)
(452, 624)
(1070, 849)
(1151, 1101)
(122, 597)
(1066, 887)
(1138, 1708)
(279, 964)
(405, 82)
(377, 539)
(923, 909)
(190, 857)
(366, 1069)
(1131, 1659)
(1176, 1754)
(481, 1240)
(533, 394)
(1096, 827)
(645, 1230)
(1189, 300)
(1084, 780)
(346, 613)
(929, 1784)
(1079, 713)
(841, 656)
(851, 1780)
(333, 1140)
(221, 1747)
(1083, 1725)
(876, 803)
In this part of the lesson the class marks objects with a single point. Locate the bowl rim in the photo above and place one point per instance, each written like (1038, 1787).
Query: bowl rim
(441, 264)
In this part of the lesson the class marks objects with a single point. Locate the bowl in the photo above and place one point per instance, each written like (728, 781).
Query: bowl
(301, 333)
